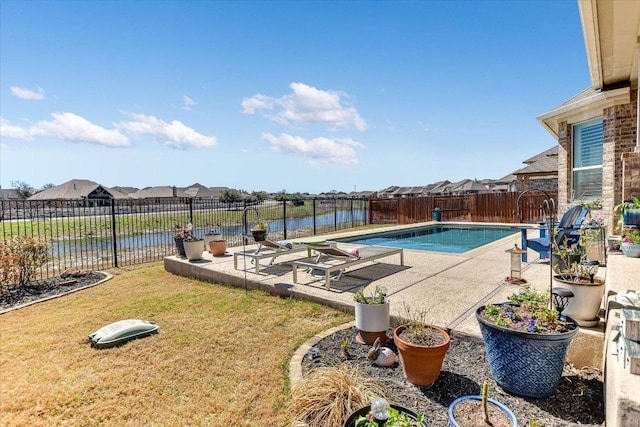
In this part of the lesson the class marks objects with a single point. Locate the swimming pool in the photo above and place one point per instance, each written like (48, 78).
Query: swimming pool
(439, 238)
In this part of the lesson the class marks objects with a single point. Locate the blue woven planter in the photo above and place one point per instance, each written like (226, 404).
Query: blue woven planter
(522, 363)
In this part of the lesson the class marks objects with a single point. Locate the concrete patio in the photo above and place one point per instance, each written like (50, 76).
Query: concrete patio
(450, 287)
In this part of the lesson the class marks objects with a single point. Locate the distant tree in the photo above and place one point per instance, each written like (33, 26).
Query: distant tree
(230, 196)
(46, 187)
(258, 196)
(24, 190)
(297, 199)
(282, 196)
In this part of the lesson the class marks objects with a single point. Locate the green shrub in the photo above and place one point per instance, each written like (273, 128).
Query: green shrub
(20, 257)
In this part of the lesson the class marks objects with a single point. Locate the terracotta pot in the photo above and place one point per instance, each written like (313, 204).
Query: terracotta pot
(218, 247)
(421, 364)
(210, 237)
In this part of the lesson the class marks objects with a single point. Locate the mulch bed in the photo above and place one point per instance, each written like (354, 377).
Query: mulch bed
(578, 401)
(39, 290)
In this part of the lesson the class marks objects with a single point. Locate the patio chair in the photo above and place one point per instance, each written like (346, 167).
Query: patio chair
(267, 249)
(567, 228)
(330, 258)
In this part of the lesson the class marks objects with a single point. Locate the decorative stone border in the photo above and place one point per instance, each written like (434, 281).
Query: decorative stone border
(295, 364)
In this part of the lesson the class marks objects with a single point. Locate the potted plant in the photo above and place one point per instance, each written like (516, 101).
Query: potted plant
(471, 411)
(421, 347)
(578, 276)
(372, 315)
(259, 231)
(631, 244)
(380, 413)
(629, 212)
(526, 343)
(214, 243)
(193, 246)
(179, 239)
(212, 234)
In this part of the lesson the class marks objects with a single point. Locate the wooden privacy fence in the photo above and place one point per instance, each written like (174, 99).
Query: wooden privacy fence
(485, 207)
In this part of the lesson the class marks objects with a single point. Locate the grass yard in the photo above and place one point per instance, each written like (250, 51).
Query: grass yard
(220, 359)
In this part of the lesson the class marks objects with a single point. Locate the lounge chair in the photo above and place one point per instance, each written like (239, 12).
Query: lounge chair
(330, 258)
(567, 228)
(267, 249)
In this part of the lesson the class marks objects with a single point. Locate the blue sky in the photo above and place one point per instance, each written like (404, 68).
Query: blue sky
(298, 96)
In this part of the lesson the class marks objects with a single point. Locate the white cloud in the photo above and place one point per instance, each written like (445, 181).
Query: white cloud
(8, 130)
(257, 102)
(28, 94)
(174, 134)
(73, 128)
(328, 150)
(307, 105)
(188, 103)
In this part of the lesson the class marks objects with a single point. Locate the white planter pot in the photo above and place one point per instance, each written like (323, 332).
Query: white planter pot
(194, 249)
(587, 298)
(372, 317)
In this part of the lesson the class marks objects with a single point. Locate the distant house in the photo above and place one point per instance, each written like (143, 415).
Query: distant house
(159, 192)
(597, 129)
(540, 172)
(506, 184)
(125, 190)
(469, 186)
(441, 187)
(10, 194)
(81, 192)
(199, 191)
(388, 192)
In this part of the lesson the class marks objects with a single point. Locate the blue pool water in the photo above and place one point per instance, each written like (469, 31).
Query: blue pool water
(440, 238)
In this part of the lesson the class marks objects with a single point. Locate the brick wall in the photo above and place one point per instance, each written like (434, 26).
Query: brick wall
(630, 175)
(620, 162)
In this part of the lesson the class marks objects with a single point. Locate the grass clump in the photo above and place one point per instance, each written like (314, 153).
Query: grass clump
(326, 396)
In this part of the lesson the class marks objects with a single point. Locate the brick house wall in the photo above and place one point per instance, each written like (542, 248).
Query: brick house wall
(620, 161)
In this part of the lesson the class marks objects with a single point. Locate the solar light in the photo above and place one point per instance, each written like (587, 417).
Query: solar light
(516, 265)
(380, 409)
(589, 267)
(561, 297)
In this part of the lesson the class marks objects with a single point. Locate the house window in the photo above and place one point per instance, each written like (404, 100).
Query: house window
(587, 160)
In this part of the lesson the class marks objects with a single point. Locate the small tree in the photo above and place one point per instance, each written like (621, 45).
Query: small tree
(20, 257)
(25, 190)
(230, 196)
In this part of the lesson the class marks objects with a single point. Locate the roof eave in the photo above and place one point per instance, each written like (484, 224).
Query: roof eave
(583, 109)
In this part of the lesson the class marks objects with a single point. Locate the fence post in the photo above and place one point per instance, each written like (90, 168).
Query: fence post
(113, 233)
(352, 218)
(335, 214)
(191, 210)
(314, 216)
(284, 218)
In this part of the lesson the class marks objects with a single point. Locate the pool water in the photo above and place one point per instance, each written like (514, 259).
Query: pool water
(439, 238)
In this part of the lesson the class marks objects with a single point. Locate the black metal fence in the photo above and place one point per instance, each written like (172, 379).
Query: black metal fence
(99, 236)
